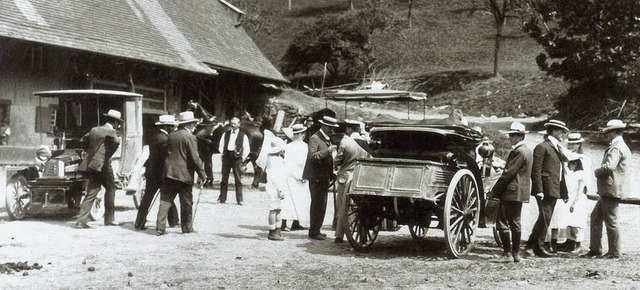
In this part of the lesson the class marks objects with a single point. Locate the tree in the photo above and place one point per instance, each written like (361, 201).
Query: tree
(594, 45)
(501, 10)
(340, 41)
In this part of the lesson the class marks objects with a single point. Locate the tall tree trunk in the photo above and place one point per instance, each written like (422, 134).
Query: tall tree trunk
(409, 16)
(496, 50)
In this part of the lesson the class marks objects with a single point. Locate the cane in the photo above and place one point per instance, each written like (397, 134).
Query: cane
(195, 210)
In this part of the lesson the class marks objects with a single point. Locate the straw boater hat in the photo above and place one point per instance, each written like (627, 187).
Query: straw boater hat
(295, 129)
(186, 117)
(166, 120)
(574, 138)
(614, 124)
(329, 121)
(557, 124)
(517, 128)
(116, 115)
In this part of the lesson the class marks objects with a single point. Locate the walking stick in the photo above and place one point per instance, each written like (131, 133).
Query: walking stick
(195, 210)
(155, 196)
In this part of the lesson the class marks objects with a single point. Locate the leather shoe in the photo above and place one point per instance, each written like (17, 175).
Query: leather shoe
(609, 256)
(160, 233)
(298, 228)
(81, 225)
(317, 237)
(113, 223)
(591, 255)
(240, 203)
(338, 240)
(142, 228)
(529, 252)
(542, 253)
(323, 234)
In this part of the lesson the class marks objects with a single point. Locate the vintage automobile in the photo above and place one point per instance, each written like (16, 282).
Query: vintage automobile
(54, 182)
(423, 174)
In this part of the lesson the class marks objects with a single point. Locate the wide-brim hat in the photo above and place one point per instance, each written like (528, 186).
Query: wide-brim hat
(329, 121)
(166, 120)
(186, 117)
(614, 124)
(557, 124)
(114, 114)
(574, 138)
(516, 128)
(295, 129)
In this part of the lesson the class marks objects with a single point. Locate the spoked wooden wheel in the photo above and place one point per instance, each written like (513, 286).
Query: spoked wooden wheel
(461, 213)
(496, 236)
(17, 197)
(418, 231)
(362, 229)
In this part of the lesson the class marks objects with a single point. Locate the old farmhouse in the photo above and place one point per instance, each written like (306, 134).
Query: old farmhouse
(169, 51)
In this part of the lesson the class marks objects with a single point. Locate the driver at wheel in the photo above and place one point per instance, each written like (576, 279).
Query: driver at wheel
(100, 144)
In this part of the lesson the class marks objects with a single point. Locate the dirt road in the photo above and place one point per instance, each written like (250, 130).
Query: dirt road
(230, 251)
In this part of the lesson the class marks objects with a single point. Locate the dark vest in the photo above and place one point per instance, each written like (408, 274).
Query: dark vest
(239, 141)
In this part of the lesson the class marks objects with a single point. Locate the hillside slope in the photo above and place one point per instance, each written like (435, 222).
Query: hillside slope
(447, 53)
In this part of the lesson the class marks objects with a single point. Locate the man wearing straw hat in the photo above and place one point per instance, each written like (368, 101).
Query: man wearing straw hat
(153, 171)
(180, 166)
(319, 172)
(100, 144)
(513, 188)
(613, 184)
(547, 184)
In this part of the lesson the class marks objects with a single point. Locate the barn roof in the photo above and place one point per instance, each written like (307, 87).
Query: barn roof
(193, 35)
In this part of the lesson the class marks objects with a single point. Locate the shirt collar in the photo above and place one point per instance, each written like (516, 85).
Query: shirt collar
(164, 131)
(326, 137)
(517, 144)
(553, 141)
(616, 140)
(108, 125)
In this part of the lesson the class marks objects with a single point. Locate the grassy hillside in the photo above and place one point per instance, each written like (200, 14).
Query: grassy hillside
(446, 53)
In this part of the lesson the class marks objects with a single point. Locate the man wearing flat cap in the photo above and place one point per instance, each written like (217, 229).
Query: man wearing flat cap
(158, 144)
(319, 172)
(547, 184)
(612, 183)
(100, 144)
(179, 171)
(513, 188)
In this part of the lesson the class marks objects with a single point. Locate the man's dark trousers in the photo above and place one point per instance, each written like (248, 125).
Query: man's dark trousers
(539, 231)
(170, 188)
(229, 161)
(151, 188)
(97, 180)
(318, 208)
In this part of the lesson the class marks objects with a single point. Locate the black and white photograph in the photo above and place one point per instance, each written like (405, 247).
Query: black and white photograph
(319, 144)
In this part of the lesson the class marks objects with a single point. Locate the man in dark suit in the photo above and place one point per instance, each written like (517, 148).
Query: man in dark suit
(513, 188)
(319, 172)
(180, 165)
(547, 184)
(100, 144)
(153, 171)
(613, 183)
(234, 148)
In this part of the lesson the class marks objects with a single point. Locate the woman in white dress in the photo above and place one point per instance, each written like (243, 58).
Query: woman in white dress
(270, 158)
(297, 198)
(578, 180)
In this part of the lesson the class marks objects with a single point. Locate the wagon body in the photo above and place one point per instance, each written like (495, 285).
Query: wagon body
(423, 174)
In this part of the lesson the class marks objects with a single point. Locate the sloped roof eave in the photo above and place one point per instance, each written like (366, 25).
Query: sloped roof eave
(279, 79)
